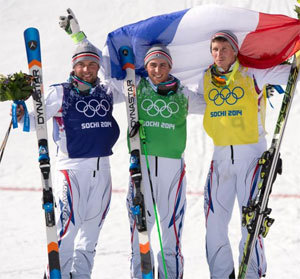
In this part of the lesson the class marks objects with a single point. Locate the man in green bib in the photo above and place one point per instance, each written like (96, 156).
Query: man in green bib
(163, 106)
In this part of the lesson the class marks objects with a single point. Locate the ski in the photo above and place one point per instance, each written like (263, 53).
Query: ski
(33, 51)
(139, 210)
(256, 214)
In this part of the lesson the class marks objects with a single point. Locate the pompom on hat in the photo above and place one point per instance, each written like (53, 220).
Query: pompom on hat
(229, 36)
(158, 51)
(86, 51)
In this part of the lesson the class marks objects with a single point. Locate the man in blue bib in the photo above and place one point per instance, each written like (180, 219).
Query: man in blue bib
(84, 131)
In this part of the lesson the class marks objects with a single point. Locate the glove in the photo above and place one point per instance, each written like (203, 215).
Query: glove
(71, 26)
(270, 90)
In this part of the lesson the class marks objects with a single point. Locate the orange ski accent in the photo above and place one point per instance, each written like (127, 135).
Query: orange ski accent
(128, 65)
(145, 248)
(34, 63)
(52, 246)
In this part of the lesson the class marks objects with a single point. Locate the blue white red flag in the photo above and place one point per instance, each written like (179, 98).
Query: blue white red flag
(265, 40)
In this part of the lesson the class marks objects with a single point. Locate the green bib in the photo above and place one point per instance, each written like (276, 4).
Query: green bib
(164, 120)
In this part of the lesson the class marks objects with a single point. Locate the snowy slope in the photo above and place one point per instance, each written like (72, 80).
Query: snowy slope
(22, 233)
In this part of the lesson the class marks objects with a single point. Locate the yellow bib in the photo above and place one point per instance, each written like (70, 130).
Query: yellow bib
(231, 114)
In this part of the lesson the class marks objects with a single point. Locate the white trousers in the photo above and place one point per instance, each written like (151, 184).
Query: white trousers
(226, 181)
(83, 198)
(169, 189)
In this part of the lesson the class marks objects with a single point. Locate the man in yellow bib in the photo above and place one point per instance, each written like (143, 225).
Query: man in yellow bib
(234, 119)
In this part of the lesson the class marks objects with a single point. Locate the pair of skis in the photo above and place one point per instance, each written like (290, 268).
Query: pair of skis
(256, 214)
(139, 209)
(33, 51)
(137, 138)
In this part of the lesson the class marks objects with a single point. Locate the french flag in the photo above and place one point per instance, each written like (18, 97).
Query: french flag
(265, 40)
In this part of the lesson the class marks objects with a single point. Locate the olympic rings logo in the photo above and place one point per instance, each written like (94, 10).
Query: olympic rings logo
(93, 107)
(159, 107)
(225, 95)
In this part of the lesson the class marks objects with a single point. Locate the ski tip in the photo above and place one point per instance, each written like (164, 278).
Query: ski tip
(32, 44)
(127, 57)
(30, 31)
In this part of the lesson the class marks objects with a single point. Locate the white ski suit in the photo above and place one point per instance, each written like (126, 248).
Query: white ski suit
(165, 128)
(234, 119)
(84, 131)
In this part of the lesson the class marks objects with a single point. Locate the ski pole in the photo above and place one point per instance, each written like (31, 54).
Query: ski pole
(3, 145)
(143, 139)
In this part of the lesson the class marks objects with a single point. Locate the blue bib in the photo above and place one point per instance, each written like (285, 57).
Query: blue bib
(90, 128)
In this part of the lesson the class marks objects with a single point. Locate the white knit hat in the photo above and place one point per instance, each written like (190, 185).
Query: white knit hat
(86, 51)
(158, 51)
